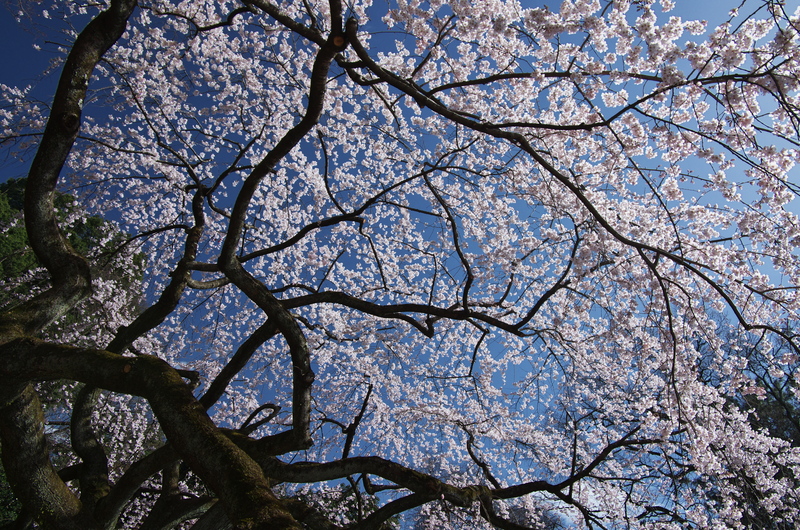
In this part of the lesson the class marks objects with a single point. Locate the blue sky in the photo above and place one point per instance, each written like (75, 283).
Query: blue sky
(21, 63)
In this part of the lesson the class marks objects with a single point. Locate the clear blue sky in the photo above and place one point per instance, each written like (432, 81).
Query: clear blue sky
(20, 62)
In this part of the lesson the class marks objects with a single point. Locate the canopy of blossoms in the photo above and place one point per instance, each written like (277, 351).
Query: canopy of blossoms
(455, 264)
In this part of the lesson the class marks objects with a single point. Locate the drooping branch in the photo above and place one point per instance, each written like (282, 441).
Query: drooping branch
(111, 506)
(427, 100)
(154, 315)
(172, 508)
(470, 277)
(254, 289)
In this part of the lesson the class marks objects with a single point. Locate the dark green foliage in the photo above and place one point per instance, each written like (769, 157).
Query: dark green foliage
(92, 237)
(778, 412)
(772, 407)
(85, 236)
(16, 257)
(9, 505)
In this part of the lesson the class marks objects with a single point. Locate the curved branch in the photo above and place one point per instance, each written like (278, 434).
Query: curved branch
(215, 390)
(168, 301)
(26, 460)
(248, 427)
(421, 483)
(110, 507)
(225, 468)
(69, 270)
(424, 99)
(275, 12)
(94, 469)
(35, 481)
(376, 519)
(303, 376)
(397, 310)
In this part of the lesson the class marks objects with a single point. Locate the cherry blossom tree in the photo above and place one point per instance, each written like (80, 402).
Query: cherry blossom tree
(456, 264)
